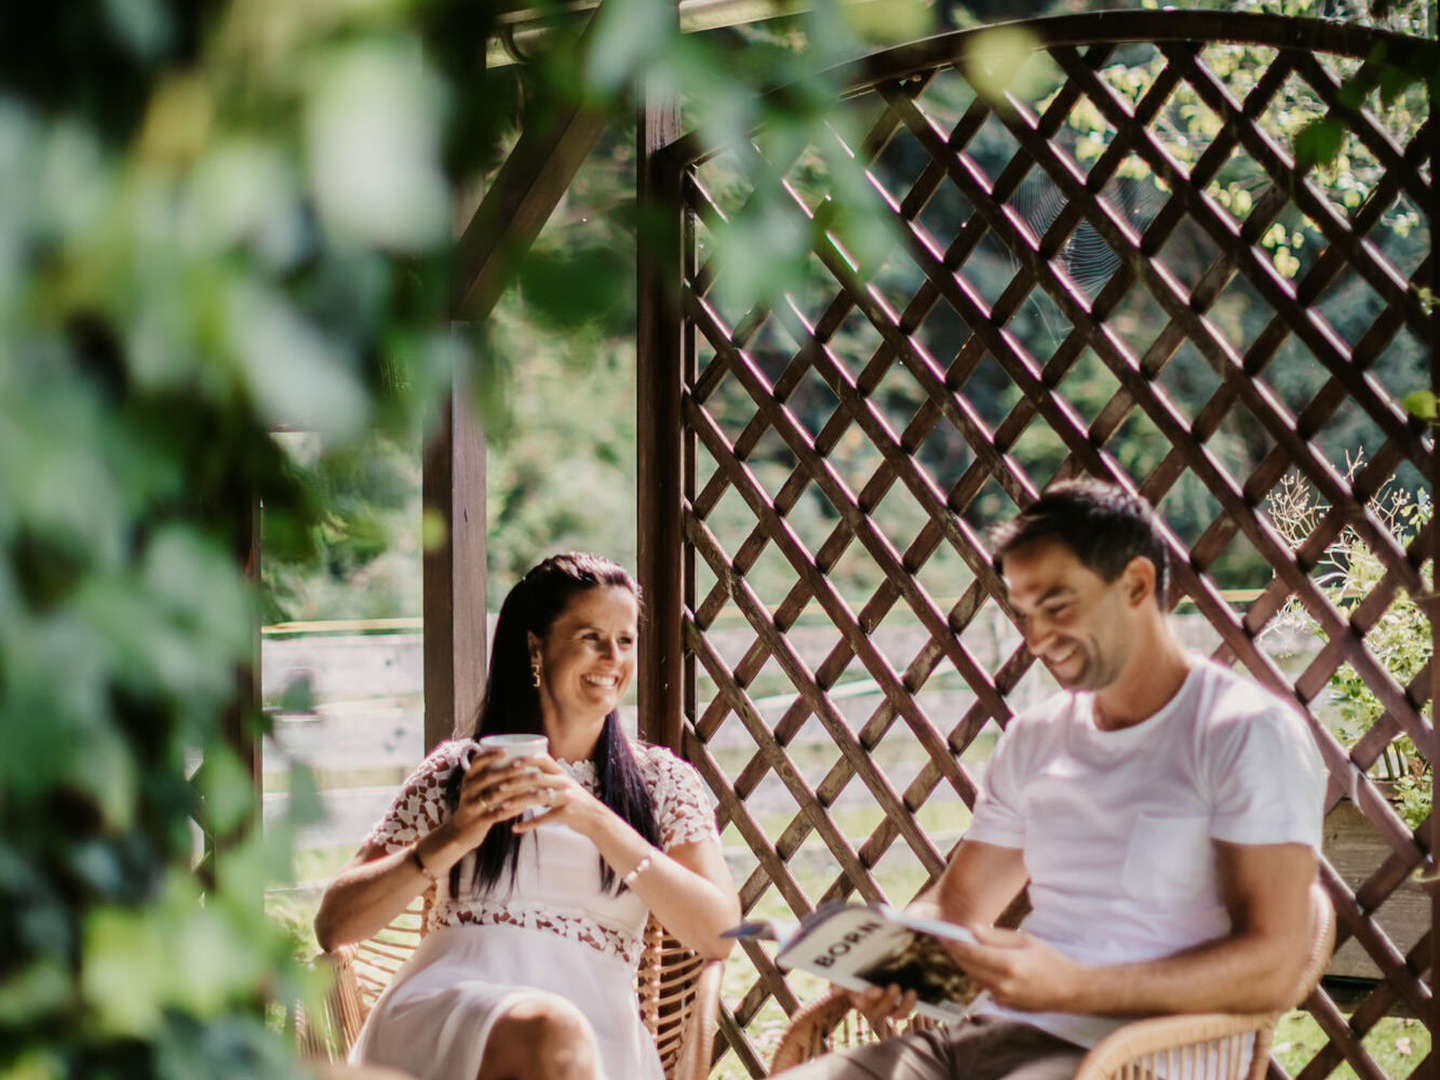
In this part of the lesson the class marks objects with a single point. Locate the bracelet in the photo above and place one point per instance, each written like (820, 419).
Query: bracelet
(420, 865)
(640, 868)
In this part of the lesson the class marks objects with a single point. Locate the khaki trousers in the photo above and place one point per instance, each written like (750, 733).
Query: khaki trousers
(980, 1048)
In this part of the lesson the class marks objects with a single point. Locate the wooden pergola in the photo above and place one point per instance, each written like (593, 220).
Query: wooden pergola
(713, 385)
(720, 383)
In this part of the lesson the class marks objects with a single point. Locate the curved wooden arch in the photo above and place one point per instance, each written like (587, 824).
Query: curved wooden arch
(1108, 28)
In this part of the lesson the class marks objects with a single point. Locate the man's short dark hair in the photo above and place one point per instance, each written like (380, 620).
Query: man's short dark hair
(1104, 525)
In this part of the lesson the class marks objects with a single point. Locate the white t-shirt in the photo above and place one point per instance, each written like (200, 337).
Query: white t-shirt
(1117, 826)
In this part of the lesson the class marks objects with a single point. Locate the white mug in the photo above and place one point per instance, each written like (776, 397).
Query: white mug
(511, 746)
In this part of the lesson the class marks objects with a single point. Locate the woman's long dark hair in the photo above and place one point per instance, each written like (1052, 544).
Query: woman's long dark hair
(512, 704)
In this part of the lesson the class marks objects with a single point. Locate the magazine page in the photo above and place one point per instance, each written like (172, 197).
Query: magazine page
(857, 947)
(934, 927)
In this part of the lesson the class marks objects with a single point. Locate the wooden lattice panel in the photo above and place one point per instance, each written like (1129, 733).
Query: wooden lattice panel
(1052, 298)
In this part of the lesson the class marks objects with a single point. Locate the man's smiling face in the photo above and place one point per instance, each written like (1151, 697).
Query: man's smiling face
(1076, 623)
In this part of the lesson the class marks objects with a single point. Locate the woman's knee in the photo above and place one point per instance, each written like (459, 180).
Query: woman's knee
(543, 1036)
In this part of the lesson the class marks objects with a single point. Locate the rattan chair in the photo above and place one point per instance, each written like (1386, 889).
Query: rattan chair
(1212, 1046)
(678, 992)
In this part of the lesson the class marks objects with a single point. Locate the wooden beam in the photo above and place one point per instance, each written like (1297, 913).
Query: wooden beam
(1431, 876)
(238, 722)
(453, 495)
(660, 467)
(554, 141)
(240, 718)
(553, 144)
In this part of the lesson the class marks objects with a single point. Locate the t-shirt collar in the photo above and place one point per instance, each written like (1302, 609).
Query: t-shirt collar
(1135, 733)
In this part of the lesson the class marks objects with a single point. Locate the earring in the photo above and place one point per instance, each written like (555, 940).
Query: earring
(535, 674)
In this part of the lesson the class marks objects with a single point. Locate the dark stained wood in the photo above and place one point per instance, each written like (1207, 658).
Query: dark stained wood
(660, 465)
(738, 378)
(525, 192)
(1354, 851)
(1432, 212)
(1126, 370)
(239, 724)
(453, 493)
(241, 718)
(555, 138)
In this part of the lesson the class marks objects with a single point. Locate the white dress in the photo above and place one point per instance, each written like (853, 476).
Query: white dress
(553, 932)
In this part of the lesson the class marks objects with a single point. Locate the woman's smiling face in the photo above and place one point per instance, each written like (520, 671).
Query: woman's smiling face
(588, 658)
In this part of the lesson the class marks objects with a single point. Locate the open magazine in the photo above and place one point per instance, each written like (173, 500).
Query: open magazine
(858, 946)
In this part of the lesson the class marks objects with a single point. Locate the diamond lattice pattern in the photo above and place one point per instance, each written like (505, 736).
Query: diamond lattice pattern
(1129, 276)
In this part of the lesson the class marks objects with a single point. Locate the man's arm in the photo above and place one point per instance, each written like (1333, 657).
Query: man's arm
(978, 885)
(1251, 969)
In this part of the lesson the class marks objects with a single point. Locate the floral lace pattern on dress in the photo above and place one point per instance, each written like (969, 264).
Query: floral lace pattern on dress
(683, 812)
(479, 911)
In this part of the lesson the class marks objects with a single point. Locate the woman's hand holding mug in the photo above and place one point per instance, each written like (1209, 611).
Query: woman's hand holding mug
(492, 789)
(561, 798)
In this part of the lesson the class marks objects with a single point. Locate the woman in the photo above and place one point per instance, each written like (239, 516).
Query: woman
(545, 869)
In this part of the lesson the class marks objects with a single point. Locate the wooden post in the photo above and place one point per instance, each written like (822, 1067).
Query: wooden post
(239, 721)
(453, 495)
(237, 724)
(659, 466)
(1433, 608)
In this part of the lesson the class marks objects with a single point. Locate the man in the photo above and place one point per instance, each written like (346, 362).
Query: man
(1164, 810)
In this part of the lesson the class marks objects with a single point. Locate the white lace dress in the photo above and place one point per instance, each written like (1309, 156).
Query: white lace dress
(553, 932)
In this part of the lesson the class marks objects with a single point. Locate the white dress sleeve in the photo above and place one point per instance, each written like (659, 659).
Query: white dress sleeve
(420, 805)
(684, 810)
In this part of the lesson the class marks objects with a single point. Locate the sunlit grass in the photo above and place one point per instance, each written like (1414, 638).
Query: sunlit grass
(1397, 1044)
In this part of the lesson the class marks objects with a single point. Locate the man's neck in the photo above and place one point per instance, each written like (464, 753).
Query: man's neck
(1147, 684)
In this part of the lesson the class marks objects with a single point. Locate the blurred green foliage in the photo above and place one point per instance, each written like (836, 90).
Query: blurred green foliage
(220, 220)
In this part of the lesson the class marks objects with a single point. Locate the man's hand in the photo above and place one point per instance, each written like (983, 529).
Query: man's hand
(883, 1006)
(1020, 971)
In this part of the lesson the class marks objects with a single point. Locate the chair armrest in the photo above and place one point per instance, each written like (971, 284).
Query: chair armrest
(1164, 1043)
(808, 1035)
(698, 1043)
(804, 1039)
(344, 1012)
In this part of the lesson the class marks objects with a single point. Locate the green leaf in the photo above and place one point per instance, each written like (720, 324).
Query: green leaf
(228, 790)
(995, 61)
(1351, 94)
(571, 288)
(625, 35)
(38, 989)
(1420, 404)
(1318, 143)
(35, 1064)
(123, 971)
(1395, 80)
